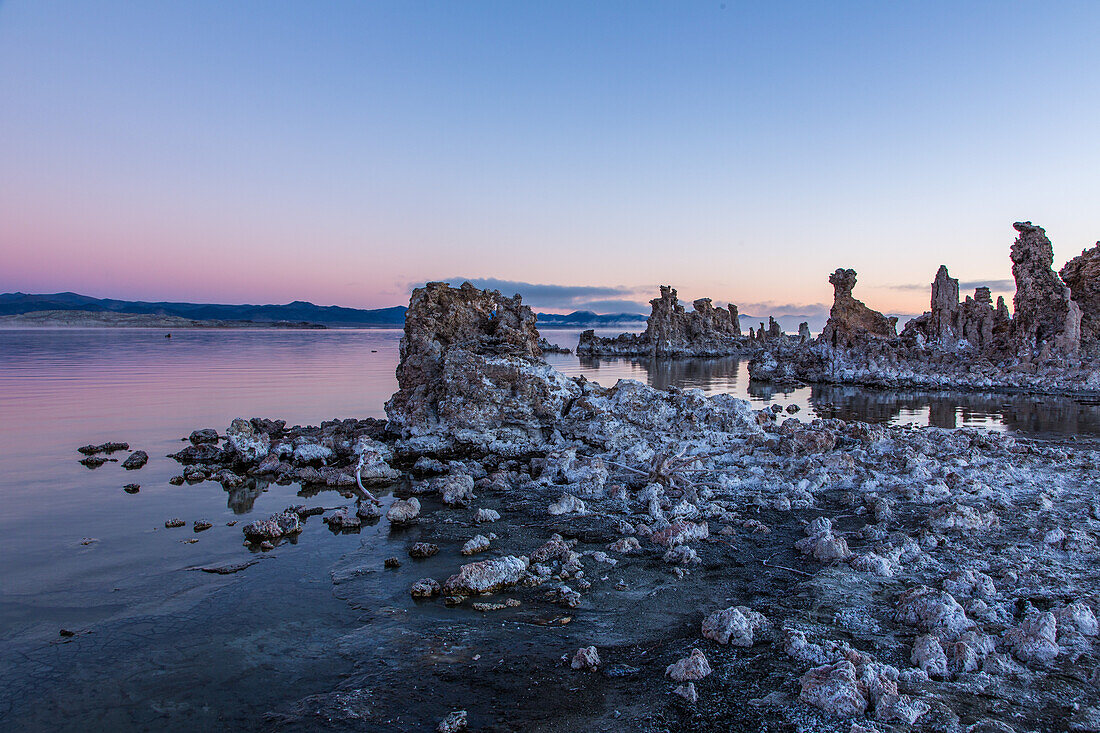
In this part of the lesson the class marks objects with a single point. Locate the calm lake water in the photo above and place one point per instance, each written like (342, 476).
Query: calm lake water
(160, 646)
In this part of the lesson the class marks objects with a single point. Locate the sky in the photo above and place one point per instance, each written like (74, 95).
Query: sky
(581, 153)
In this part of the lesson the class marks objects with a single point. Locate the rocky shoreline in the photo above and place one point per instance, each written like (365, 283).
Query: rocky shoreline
(719, 565)
(1048, 345)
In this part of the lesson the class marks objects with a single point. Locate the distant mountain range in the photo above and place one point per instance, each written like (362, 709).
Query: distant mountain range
(298, 311)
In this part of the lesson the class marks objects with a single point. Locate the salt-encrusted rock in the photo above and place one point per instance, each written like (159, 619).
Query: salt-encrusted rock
(367, 511)
(1035, 640)
(307, 452)
(680, 533)
(687, 691)
(567, 504)
(734, 625)
(929, 656)
(555, 548)
(692, 667)
(932, 611)
(478, 543)
(626, 546)
(486, 515)
(851, 321)
(453, 723)
(456, 489)
(1077, 615)
(404, 511)
(373, 467)
(822, 544)
(249, 444)
(274, 527)
(834, 688)
(425, 588)
(173, 523)
(135, 460)
(486, 576)
(586, 658)
(681, 555)
(1043, 311)
(343, 521)
(421, 550)
(1082, 276)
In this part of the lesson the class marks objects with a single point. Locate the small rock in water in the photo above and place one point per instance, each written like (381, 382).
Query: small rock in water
(368, 510)
(586, 658)
(173, 523)
(88, 541)
(201, 525)
(421, 550)
(343, 521)
(131, 488)
(456, 489)
(454, 722)
(93, 461)
(135, 460)
(692, 667)
(404, 511)
(205, 435)
(392, 562)
(176, 480)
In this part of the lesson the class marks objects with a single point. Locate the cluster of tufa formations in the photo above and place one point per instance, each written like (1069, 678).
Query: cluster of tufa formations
(672, 331)
(1050, 343)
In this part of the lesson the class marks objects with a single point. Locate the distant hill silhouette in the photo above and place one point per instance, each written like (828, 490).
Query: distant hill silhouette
(328, 315)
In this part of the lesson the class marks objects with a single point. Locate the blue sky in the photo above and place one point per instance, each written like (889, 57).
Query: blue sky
(340, 152)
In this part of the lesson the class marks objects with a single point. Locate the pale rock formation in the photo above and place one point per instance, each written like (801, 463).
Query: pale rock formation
(734, 625)
(850, 320)
(692, 667)
(486, 576)
(1082, 275)
(1044, 313)
(403, 511)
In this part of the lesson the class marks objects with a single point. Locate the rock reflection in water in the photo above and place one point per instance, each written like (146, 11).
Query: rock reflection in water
(719, 374)
(1036, 414)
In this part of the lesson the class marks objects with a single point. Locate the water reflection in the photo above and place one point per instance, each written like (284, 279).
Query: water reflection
(710, 375)
(1037, 414)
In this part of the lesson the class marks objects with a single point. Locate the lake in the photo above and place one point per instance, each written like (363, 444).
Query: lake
(159, 644)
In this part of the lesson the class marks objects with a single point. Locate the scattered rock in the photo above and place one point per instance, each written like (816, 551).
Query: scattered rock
(135, 460)
(691, 667)
(586, 658)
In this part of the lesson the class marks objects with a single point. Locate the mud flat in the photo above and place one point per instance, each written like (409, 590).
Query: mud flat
(1048, 345)
(661, 560)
